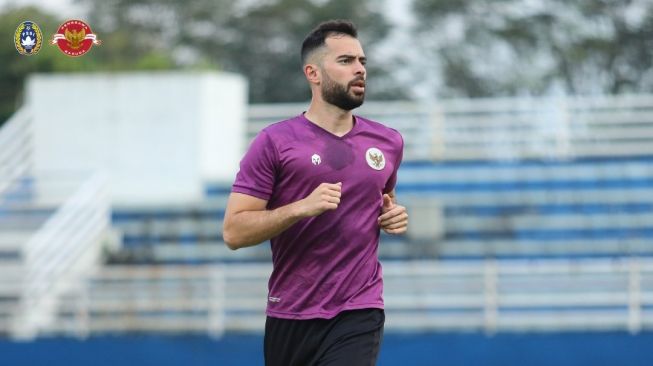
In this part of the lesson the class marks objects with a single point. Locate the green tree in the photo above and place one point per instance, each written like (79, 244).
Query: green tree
(507, 47)
(267, 39)
(157, 34)
(16, 67)
(259, 40)
(113, 54)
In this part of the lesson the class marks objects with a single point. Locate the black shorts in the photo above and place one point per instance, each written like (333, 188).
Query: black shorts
(352, 338)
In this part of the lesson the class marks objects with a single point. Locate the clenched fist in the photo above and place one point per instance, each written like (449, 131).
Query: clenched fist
(325, 197)
(394, 218)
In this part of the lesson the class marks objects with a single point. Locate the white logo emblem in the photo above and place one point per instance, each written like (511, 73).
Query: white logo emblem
(375, 158)
(316, 159)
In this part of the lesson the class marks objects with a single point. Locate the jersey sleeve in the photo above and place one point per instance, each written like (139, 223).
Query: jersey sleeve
(258, 169)
(392, 181)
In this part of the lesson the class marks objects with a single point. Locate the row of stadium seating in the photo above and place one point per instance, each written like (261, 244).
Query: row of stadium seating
(593, 207)
(586, 208)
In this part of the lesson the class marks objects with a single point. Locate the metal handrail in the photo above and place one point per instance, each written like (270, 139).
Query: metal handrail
(513, 128)
(486, 295)
(57, 256)
(16, 151)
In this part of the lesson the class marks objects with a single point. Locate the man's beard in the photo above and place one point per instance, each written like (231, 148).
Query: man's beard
(338, 95)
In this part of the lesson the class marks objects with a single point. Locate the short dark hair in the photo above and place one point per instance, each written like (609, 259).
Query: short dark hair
(315, 39)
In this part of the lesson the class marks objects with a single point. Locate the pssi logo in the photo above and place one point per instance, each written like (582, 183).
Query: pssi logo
(28, 38)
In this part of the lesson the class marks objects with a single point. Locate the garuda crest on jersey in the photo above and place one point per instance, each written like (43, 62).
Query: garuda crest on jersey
(375, 158)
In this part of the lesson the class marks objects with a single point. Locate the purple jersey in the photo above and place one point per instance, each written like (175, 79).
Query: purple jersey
(329, 263)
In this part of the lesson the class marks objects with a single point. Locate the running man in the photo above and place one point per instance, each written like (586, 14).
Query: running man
(320, 187)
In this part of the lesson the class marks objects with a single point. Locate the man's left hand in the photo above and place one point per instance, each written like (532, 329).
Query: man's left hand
(394, 218)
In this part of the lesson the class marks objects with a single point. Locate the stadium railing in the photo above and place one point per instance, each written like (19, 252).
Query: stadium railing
(51, 237)
(504, 128)
(477, 295)
(128, 298)
(16, 151)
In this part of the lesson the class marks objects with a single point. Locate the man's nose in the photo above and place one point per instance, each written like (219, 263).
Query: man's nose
(360, 68)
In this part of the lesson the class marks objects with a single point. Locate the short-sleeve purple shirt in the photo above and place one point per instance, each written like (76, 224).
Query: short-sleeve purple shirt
(329, 263)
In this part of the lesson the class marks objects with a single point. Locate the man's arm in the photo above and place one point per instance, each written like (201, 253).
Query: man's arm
(394, 218)
(247, 222)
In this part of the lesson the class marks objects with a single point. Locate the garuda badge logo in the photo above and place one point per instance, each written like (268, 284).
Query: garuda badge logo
(28, 38)
(375, 158)
(75, 38)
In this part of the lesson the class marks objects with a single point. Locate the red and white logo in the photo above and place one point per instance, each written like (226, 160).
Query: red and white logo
(375, 158)
(75, 38)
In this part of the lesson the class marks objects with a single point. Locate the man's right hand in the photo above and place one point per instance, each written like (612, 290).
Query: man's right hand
(247, 222)
(325, 197)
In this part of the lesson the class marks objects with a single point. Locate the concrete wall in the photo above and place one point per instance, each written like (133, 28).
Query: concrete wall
(158, 136)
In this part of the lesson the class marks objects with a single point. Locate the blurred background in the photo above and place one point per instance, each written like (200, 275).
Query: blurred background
(528, 175)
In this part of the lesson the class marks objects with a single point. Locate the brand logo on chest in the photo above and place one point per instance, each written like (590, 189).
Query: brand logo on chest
(375, 158)
(316, 159)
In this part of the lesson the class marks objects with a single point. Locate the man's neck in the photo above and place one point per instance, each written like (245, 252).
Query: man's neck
(330, 117)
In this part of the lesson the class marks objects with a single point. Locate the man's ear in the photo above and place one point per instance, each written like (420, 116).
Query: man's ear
(312, 73)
